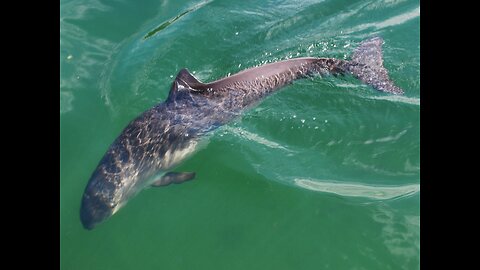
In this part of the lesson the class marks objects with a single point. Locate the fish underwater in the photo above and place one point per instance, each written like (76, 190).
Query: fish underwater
(158, 140)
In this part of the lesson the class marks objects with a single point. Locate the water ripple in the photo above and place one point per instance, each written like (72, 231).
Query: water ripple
(254, 137)
(387, 138)
(66, 99)
(401, 99)
(358, 190)
(396, 20)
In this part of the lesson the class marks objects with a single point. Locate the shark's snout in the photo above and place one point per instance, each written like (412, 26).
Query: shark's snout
(98, 200)
(93, 211)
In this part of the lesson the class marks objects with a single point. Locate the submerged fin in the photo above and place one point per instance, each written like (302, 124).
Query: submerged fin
(173, 177)
(367, 65)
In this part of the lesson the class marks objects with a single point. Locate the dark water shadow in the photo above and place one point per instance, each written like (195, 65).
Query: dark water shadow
(172, 20)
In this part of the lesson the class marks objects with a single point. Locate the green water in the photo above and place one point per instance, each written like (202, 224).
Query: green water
(324, 174)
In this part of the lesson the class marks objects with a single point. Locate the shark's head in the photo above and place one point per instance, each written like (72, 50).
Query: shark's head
(112, 183)
(147, 149)
(99, 200)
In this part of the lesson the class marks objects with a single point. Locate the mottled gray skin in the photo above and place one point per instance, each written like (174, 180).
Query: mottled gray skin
(160, 138)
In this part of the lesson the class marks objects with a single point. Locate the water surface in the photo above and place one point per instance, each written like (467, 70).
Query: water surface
(324, 174)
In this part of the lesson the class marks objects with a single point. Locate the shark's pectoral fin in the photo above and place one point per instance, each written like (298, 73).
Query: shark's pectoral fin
(173, 177)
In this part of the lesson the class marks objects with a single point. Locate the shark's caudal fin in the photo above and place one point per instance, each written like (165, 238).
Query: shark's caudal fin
(367, 65)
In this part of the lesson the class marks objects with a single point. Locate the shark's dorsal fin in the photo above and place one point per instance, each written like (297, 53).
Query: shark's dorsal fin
(185, 79)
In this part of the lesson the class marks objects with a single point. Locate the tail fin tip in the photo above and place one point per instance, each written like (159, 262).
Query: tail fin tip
(367, 65)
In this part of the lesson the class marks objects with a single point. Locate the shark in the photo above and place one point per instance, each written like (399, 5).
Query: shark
(152, 145)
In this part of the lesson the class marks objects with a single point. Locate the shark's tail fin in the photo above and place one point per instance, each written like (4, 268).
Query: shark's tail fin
(367, 65)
